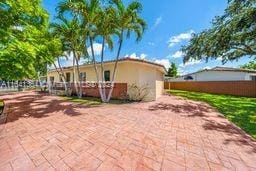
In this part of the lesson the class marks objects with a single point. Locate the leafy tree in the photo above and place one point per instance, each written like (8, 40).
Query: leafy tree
(232, 35)
(100, 23)
(250, 65)
(106, 28)
(21, 25)
(90, 13)
(129, 21)
(53, 50)
(71, 36)
(172, 71)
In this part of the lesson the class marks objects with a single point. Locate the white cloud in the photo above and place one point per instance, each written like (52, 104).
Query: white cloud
(143, 56)
(181, 71)
(158, 21)
(181, 37)
(164, 62)
(219, 59)
(177, 54)
(67, 60)
(207, 67)
(96, 47)
(134, 56)
(190, 63)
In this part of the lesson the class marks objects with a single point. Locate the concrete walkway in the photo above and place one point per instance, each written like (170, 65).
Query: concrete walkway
(44, 133)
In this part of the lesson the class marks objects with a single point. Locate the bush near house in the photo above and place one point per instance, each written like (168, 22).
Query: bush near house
(239, 110)
(1, 106)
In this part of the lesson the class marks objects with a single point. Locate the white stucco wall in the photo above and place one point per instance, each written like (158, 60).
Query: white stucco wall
(218, 76)
(130, 72)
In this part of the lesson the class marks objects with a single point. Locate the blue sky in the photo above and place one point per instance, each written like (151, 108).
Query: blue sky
(170, 24)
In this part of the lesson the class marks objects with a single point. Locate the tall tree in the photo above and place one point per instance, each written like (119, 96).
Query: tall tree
(231, 36)
(129, 21)
(106, 29)
(90, 12)
(102, 21)
(86, 13)
(21, 26)
(53, 49)
(70, 33)
(250, 65)
(172, 70)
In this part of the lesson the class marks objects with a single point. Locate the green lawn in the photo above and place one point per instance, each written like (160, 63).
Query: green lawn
(1, 106)
(239, 110)
(90, 101)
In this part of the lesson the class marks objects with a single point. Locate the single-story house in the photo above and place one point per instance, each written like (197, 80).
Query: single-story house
(131, 71)
(218, 74)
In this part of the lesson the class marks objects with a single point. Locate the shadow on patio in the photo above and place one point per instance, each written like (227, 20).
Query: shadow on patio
(39, 105)
(212, 121)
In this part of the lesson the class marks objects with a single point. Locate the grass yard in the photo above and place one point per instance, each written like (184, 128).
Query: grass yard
(1, 106)
(1, 103)
(90, 101)
(239, 110)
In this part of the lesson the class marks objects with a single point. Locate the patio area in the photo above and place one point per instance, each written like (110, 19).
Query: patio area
(45, 132)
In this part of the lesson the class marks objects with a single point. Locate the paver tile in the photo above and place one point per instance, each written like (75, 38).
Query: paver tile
(43, 132)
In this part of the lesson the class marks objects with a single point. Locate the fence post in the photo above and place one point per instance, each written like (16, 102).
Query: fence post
(169, 85)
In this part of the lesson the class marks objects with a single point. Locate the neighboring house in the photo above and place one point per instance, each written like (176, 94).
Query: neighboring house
(131, 71)
(219, 74)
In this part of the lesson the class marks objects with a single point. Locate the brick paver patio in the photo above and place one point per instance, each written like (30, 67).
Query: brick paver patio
(44, 133)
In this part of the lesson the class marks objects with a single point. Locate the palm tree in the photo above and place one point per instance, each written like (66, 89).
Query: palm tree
(70, 33)
(106, 29)
(129, 21)
(105, 22)
(88, 14)
(52, 52)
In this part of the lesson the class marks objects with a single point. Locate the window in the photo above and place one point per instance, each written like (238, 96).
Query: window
(253, 77)
(68, 77)
(83, 76)
(107, 75)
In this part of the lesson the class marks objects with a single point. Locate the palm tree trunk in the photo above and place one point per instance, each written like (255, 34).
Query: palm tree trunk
(115, 67)
(63, 76)
(74, 73)
(95, 67)
(56, 68)
(79, 92)
(102, 71)
(79, 77)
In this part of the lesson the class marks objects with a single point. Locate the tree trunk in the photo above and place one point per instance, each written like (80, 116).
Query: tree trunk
(102, 71)
(115, 67)
(74, 73)
(63, 76)
(79, 91)
(95, 67)
(79, 77)
(56, 68)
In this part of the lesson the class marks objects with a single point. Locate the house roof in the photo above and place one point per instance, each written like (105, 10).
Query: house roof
(123, 59)
(225, 69)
